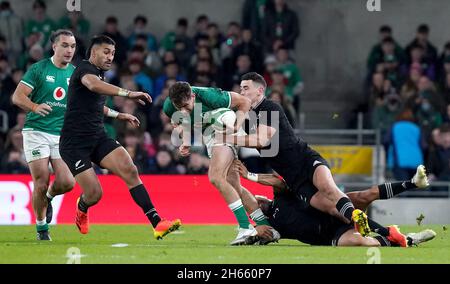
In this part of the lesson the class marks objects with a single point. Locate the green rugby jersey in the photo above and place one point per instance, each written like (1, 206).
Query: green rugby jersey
(50, 85)
(210, 100)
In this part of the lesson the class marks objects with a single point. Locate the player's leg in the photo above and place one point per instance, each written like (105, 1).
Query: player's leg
(222, 158)
(41, 176)
(362, 199)
(353, 238)
(37, 152)
(324, 182)
(64, 182)
(92, 193)
(120, 163)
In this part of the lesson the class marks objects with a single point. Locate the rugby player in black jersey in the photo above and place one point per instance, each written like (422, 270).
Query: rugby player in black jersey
(84, 140)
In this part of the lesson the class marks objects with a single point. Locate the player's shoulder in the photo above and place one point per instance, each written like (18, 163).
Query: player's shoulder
(268, 104)
(41, 64)
(168, 106)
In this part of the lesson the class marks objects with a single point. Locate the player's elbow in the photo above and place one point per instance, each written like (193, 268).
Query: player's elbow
(14, 99)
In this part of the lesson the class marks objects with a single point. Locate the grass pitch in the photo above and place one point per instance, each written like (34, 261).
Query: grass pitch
(195, 245)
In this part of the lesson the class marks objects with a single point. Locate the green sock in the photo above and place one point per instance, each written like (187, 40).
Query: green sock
(259, 217)
(240, 214)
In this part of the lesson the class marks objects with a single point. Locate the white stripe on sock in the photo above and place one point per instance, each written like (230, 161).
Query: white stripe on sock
(235, 205)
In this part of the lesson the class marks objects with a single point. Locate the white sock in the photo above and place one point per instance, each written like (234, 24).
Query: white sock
(235, 205)
(257, 215)
(41, 223)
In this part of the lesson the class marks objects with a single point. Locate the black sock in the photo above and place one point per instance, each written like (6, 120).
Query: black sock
(383, 241)
(141, 197)
(82, 206)
(389, 190)
(345, 207)
(377, 228)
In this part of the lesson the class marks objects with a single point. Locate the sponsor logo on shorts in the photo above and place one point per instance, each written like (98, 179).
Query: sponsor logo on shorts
(78, 166)
(59, 94)
(36, 153)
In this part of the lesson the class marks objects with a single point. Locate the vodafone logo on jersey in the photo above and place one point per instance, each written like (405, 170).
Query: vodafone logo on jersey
(59, 93)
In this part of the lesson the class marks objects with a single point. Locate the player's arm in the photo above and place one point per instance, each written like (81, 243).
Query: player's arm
(21, 98)
(242, 105)
(260, 139)
(96, 85)
(265, 179)
(134, 121)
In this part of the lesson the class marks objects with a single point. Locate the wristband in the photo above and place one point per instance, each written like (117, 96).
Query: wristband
(123, 92)
(252, 177)
(112, 113)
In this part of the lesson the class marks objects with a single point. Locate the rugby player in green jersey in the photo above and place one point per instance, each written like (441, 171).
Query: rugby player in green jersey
(42, 92)
(201, 105)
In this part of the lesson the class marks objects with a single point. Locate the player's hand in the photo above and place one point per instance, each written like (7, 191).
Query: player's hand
(43, 109)
(241, 168)
(131, 119)
(140, 97)
(264, 232)
(184, 150)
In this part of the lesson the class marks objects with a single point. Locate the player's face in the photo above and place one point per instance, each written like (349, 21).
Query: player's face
(64, 49)
(251, 90)
(188, 105)
(104, 56)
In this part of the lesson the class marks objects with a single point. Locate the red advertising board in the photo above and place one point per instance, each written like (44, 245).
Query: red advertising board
(191, 198)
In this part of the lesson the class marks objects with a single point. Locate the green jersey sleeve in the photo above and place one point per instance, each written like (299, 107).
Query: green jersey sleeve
(213, 98)
(31, 78)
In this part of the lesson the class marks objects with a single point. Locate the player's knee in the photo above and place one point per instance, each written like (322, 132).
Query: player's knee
(41, 185)
(129, 171)
(217, 179)
(93, 197)
(65, 185)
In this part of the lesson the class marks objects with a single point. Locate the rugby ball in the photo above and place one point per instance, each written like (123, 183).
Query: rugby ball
(222, 118)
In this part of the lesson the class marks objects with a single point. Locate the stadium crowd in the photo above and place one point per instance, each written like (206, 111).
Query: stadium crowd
(408, 89)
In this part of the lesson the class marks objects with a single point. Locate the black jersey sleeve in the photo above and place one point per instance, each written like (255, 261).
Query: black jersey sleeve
(270, 114)
(86, 69)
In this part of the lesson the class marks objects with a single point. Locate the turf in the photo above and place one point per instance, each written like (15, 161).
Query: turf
(195, 245)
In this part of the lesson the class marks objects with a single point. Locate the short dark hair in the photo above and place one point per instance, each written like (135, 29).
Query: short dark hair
(112, 20)
(202, 17)
(388, 40)
(140, 18)
(423, 29)
(385, 29)
(179, 93)
(183, 22)
(56, 34)
(255, 77)
(98, 40)
(39, 4)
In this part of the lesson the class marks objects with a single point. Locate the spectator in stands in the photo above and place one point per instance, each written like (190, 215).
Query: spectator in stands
(196, 165)
(443, 59)
(78, 24)
(143, 81)
(40, 23)
(292, 74)
(250, 47)
(243, 65)
(112, 30)
(215, 39)
(253, 18)
(378, 52)
(140, 28)
(281, 27)
(201, 27)
(409, 90)
(203, 75)
(171, 71)
(130, 107)
(389, 64)
(438, 164)
(132, 142)
(384, 115)
(180, 42)
(13, 158)
(417, 58)
(11, 29)
(163, 163)
(427, 116)
(430, 52)
(278, 96)
(405, 151)
(379, 89)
